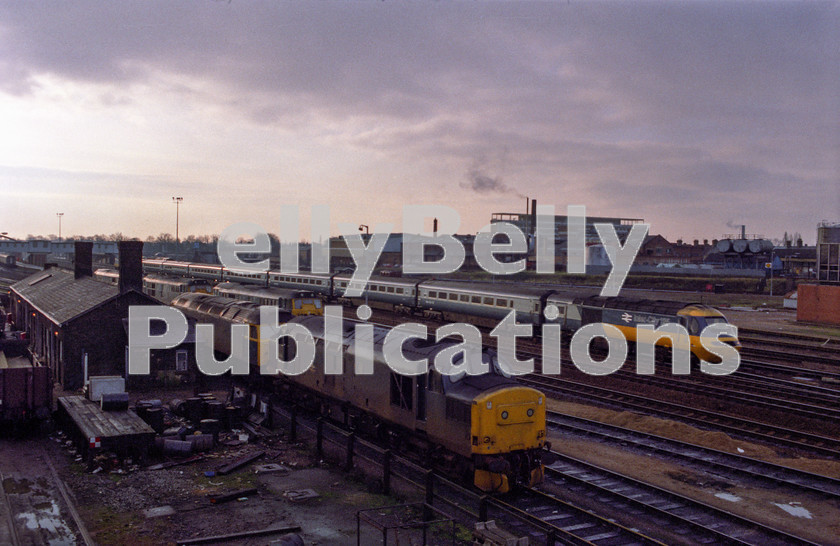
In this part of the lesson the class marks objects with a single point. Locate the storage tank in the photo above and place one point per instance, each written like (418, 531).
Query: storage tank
(758, 246)
(724, 245)
(740, 245)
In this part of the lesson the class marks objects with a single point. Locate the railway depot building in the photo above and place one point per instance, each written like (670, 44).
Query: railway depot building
(71, 317)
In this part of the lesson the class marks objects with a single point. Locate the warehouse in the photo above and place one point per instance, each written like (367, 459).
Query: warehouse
(73, 319)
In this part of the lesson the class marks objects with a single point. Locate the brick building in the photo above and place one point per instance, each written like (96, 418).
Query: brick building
(657, 250)
(71, 317)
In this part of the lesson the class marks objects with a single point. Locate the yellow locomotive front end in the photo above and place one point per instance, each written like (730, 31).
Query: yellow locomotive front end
(306, 305)
(507, 432)
(696, 318)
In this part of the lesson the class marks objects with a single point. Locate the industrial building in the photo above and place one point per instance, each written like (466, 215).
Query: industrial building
(73, 319)
(821, 302)
(527, 223)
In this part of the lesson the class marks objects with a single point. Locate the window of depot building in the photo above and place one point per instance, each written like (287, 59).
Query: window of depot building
(181, 361)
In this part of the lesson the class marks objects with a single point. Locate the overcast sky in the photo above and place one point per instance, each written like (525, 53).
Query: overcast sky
(696, 117)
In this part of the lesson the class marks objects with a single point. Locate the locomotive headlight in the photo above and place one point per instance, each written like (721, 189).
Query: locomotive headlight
(489, 405)
(539, 401)
(530, 412)
(505, 414)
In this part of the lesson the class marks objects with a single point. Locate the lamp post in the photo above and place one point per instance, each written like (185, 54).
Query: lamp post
(365, 228)
(59, 214)
(772, 252)
(177, 201)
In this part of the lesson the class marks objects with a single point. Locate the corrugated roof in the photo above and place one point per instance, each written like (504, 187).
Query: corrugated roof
(60, 296)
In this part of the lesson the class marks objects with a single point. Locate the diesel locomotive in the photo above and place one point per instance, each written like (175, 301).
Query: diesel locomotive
(486, 427)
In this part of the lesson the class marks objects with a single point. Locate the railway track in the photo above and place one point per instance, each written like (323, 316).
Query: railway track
(691, 519)
(542, 518)
(820, 381)
(740, 427)
(752, 392)
(734, 467)
(788, 347)
(38, 509)
(625, 512)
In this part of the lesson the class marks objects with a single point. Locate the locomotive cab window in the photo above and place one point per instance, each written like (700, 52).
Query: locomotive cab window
(693, 326)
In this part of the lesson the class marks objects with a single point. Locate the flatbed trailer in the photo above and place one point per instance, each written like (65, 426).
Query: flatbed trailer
(96, 431)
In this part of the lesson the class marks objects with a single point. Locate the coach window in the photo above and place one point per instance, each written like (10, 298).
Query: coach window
(465, 297)
(453, 297)
(476, 299)
(488, 301)
(391, 289)
(432, 294)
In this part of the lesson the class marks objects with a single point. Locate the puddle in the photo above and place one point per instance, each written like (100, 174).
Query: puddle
(798, 511)
(49, 520)
(728, 497)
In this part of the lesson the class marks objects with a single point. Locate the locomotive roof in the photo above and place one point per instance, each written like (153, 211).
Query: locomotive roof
(241, 312)
(660, 307)
(466, 388)
(270, 291)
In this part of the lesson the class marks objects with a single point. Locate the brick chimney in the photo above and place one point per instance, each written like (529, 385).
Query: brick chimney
(83, 259)
(131, 266)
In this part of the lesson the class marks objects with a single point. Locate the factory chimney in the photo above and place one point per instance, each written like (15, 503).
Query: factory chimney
(83, 259)
(131, 266)
(533, 216)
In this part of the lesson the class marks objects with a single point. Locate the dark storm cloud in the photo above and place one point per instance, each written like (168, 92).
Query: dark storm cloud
(677, 101)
